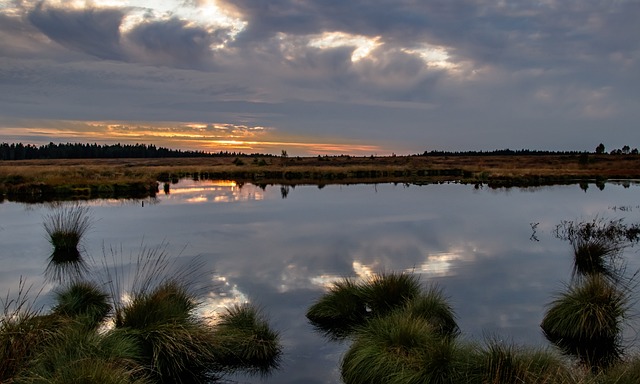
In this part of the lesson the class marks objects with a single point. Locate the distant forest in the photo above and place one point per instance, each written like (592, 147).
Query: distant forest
(19, 151)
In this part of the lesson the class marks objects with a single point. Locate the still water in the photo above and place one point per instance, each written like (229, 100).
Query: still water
(492, 251)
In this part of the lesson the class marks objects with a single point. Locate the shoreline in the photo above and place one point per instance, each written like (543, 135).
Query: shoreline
(73, 179)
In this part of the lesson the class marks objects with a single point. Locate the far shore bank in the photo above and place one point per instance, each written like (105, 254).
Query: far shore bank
(42, 180)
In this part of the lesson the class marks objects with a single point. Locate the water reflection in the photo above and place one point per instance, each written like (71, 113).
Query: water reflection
(282, 253)
(215, 191)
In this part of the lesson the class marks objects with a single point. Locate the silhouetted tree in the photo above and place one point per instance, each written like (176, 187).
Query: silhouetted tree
(600, 149)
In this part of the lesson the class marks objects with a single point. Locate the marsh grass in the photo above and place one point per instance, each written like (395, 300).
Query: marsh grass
(403, 349)
(586, 322)
(501, 362)
(245, 341)
(628, 372)
(157, 302)
(169, 302)
(21, 331)
(385, 292)
(76, 355)
(349, 304)
(160, 315)
(433, 306)
(597, 247)
(83, 301)
(339, 310)
(65, 228)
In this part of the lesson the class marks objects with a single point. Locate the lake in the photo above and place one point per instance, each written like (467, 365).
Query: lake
(493, 252)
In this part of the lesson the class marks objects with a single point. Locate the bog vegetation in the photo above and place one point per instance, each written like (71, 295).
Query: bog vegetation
(402, 332)
(144, 328)
(87, 171)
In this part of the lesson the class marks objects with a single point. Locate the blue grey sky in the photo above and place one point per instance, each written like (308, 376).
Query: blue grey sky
(322, 77)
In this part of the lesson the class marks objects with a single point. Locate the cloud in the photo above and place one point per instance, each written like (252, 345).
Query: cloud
(93, 31)
(175, 43)
(446, 74)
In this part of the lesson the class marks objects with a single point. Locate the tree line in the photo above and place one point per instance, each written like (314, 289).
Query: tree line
(19, 151)
(600, 150)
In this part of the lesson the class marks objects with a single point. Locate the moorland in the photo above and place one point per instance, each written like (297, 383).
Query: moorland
(26, 180)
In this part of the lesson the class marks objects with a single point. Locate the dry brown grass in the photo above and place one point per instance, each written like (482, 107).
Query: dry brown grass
(496, 170)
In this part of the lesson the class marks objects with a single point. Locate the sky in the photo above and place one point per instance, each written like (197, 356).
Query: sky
(316, 77)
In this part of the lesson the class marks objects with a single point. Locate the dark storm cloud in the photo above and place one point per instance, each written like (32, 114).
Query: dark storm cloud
(92, 31)
(450, 74)
(173, 41)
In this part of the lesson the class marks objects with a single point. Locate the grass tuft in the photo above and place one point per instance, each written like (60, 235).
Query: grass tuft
(385, 292)
(348, 304)
(434, 307)
(245, 341)
(398, 348)
(338, 311)
(65, 228)
(507, 363)
(83, 301)
(586, 322)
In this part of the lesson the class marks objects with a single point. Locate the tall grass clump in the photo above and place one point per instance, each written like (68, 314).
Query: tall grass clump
(349, 304)
(597, 246)
(433, 306)
(175, 343)
(627, 372)
(586, 322)
(385, 292)
(500, 363)
(402, 349)
(22, 330)
(179, 344)
(76, 355)
(83, 301)
(246, 342)
(339, 310)
(65, 228)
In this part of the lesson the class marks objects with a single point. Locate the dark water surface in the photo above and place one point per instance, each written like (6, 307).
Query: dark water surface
(479, 245)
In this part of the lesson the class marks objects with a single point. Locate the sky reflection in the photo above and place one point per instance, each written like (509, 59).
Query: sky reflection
(282, 253)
